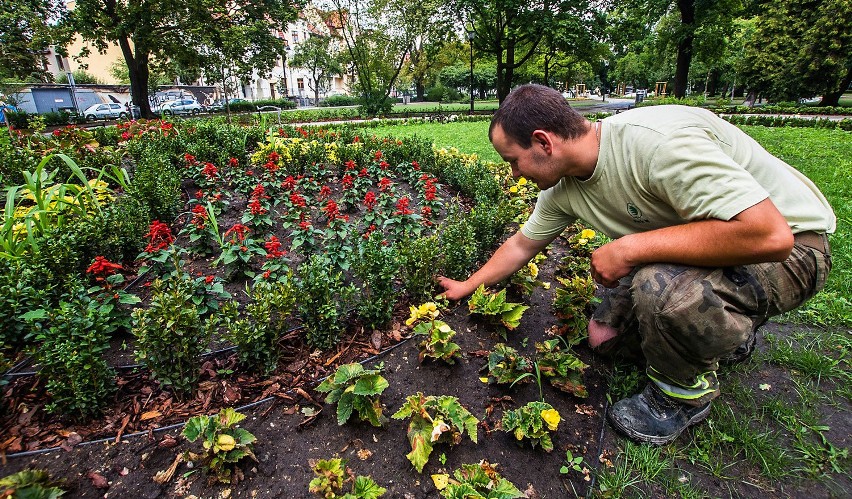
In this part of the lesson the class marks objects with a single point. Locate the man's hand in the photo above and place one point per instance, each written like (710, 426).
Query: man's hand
(453, 290)
(608, 264)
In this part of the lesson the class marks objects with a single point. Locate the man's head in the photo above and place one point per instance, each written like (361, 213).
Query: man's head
(536, 107)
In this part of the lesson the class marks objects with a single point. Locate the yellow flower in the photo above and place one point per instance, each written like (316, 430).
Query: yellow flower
(513, 189)
(551, 418)
(226, 442)
(533, 269)
(588, 234)
(582, 241)
(522, 181)
(444, 328)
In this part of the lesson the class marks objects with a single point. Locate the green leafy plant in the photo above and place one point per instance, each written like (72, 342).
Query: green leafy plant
(506, 365)
(526, 279)
(377, 265)
(573, 463)
(323, 300)
(477, 481)
(494, 307)
(72, 341)
(562, 368)
(171, 334)
(457, 241)
(30, 484)
(437, 344)
(571, 304)
(419, 258)
(434, 419)
(256, 336)
(534, 421)
(356, 389)
(329, 481)
(224, 443)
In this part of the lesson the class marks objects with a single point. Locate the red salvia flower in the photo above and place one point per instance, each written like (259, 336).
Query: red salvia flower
(402, 207)
(378, 155)
(384, 183)
(297, 200)
(189, 158)
(350, 165)
(210, 171)
(273, 248)
(233, 162)
(324, 192)
(159, 237)
(415, 165)
(347, 182)
(239, 230)
(384, 165)
(102, 268)
(209, 279)
(256, 208)
(273, 156)
(370, 200)
(331, 210)
(363, 172)
(199, 216)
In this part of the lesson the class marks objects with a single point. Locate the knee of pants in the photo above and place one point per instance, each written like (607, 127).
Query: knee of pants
(651, 288)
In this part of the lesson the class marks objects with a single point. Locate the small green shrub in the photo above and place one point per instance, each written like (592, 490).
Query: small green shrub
(457, 241)
(419, 258)
(77, 377)
(339, 100)
(157, 184)
(171, 334)
(376, 267)
(323, 301)
(355, 389)
(21, 292)
(257, 335)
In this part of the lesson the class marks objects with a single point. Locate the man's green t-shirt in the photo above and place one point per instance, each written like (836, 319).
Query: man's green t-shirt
(668, 165)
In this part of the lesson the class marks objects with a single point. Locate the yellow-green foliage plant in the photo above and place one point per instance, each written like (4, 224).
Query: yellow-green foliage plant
(224, 443)
(476, 481)
(561, 367)
(534, 421)
(434, 420)
(437, 344)
(34, 484)
(494, 307)
(329, 481)
(356, 389)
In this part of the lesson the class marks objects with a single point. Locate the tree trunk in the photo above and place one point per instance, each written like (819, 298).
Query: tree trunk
(750, 98)
(833, 98)
(420, 89)
(137, 66)
(684, 47)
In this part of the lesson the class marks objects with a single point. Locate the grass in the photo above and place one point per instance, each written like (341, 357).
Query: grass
(758, 439)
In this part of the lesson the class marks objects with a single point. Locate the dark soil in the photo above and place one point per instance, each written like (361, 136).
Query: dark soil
(288, 440)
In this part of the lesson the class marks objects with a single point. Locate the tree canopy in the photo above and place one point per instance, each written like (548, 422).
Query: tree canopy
(28, 28)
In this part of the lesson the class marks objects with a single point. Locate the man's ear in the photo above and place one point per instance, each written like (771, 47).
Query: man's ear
(541, 138)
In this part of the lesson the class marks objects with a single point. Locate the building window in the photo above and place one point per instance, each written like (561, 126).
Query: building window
(300, 82)
(295, 36)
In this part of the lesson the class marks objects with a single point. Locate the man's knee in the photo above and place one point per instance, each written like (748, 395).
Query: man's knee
(600, 333)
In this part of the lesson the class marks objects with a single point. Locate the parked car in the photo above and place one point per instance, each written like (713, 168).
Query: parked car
(105, 112)
(181, 106)
(219, 104)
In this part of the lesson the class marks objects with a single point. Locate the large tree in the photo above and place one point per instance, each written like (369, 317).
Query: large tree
(800, 50)
(177, 31)
(319, 58)
(28, 28)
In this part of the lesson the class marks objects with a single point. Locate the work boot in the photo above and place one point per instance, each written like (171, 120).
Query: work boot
(653, 417)
(742, 353)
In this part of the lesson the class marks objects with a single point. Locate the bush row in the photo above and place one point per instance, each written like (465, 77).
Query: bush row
(791, 121)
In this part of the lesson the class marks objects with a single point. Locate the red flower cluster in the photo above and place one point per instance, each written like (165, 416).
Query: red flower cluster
(378, 155)
(210, 171)
(190, 159)
(102, 268)
(240, 231)
(281, 132)
(384, 183)
(159, 237)
(332, 211)
(415, 165)
(370, 231)
(384, 165)
(363, 172)
(259, 192)
(125, 135)
(347, 181)
(297, 200)
(289, 183)
(325, 192)
(233, 162)
(356, 139)
(209, 279)
(199, 216)
(305, 224)
(302, 131)
(273, 156)
(370, 200)
(271, 166)
(350, 165)
(273, 248)
(429, 189)
(256, 208)
(402, 207)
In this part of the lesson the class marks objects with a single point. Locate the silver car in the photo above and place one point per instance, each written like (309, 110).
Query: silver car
(105, 112)
(181, 106)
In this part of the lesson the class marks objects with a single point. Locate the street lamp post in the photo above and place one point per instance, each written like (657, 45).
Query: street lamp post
(470, 35)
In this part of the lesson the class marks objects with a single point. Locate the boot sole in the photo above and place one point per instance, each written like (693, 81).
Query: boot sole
(656, 439)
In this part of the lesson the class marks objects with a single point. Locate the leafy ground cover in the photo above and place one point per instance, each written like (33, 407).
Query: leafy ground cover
(782, 427)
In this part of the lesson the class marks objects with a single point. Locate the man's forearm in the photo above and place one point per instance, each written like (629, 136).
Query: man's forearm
(516, 252)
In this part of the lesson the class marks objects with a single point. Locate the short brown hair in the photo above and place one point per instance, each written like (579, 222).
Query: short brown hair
(535, 107)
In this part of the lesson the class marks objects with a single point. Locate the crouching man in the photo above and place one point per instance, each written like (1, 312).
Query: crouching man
(711, 236)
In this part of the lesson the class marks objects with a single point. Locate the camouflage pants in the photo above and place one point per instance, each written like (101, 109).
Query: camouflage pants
(682, 318)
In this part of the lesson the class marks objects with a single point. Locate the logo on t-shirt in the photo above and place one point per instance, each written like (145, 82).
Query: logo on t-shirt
(636, 214)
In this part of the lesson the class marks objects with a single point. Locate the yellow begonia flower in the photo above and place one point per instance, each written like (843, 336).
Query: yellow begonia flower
(226, 442)
(588, 234)
(582, 241)
(551, 418)
(522, 181)
(533, 269)
(513, 189)
(445, 328)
